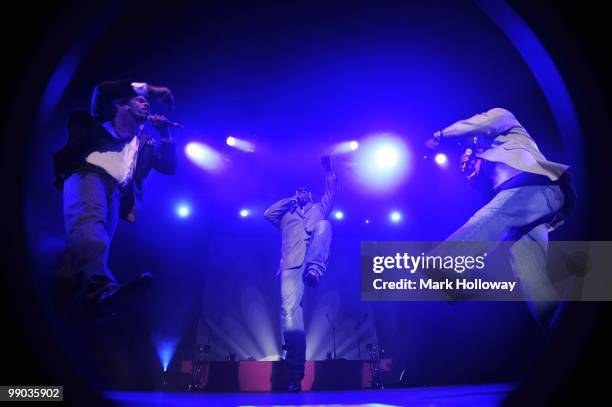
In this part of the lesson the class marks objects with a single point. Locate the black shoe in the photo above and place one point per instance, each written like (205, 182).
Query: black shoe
(295, 381)
(111, 301)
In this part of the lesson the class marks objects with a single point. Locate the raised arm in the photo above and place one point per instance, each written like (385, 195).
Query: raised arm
(491, 123)
(275, 213)
(331, 187)
(105, 93)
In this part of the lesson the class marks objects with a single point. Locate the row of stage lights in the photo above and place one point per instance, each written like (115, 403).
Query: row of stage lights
(381, 161)
(183, 210)
(384, 158)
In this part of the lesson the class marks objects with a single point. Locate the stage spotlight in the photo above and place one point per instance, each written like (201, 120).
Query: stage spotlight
(339, 215)
(395, 216)
(382, 161)
(240, 144)
(244, 213)
(345, 147)
(203, 155)
(270, 358)
(183, 210)
(367, 221)
(165, 351)
(441, 159)
(386, 157)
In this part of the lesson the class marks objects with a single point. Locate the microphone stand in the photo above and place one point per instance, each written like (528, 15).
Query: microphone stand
(333, 335)
(358, 344)
(357, 335)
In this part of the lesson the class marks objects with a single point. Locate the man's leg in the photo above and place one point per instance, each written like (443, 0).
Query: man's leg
(317, 253)
(505, 218)
(507, 212)
(528, 262)
(114, 204)
(292, 323)
(86, 214)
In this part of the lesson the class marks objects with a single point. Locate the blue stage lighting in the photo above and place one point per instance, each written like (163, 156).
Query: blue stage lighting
(395, 216)
(382, 161)
(386, 157)
(344, 147)
(244, 213)
(441, 159)
(244, 145)
(183, 210)
(165, 351)
(203, 155)
(339, 215)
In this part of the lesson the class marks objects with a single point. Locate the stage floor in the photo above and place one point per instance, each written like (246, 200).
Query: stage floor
(479, 395)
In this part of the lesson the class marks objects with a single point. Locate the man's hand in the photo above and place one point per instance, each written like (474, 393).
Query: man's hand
(326, 163)
(161, 93)
(464, 158)
(161, 124)
(159, 121)
(477, 167)
(293, 199)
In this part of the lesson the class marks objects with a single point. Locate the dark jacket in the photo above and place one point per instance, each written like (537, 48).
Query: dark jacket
(86, 135)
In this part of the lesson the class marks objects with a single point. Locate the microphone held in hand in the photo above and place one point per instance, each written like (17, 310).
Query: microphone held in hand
(294, 204)
(161, 120)
(468, 156)
(469, 152)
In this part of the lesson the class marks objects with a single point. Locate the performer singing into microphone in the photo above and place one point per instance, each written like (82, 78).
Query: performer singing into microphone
(306, 238)
(101, 170)
(532, 197)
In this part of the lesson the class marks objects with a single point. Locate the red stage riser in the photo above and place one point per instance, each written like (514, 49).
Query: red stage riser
(251, 375)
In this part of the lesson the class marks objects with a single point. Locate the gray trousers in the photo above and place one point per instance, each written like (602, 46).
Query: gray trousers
(520, 215)
(91, 213)
(292, 293)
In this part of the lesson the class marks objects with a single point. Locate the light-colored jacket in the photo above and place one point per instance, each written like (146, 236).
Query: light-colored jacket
(510, 142)
(296, 226)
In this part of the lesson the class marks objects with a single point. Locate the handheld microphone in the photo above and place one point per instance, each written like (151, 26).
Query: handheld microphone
(294, 205)
(167, 122)
(469, 152)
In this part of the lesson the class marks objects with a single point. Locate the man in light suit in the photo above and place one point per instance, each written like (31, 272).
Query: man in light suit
(533, 196)
(306, 238)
